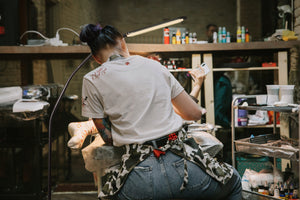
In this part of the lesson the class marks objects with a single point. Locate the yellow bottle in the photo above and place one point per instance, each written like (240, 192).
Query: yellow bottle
(186, 37)
(239, 35)
(178, 37)
(173, 38)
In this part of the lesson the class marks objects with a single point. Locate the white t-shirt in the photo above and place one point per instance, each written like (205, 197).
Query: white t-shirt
(135, 93)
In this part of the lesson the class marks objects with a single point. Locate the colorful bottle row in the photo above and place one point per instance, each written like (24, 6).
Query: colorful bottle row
(222, 36)
(179, 38)
(242, 35)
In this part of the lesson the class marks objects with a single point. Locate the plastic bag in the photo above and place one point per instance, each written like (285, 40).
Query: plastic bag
(202, 134)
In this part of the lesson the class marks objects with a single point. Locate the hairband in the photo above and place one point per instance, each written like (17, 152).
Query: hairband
(97, 28)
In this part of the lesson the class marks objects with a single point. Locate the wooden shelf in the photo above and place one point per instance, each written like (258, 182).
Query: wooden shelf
(149, 48)
(180, 70)
(245, 69)
(259, 126)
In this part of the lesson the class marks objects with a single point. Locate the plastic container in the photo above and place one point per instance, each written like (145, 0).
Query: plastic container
(287, 94)
(273, 94)
(261, 99)
(242, 115)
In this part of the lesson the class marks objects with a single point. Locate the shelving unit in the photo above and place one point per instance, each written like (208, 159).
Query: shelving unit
(244, 145)
(197, 52)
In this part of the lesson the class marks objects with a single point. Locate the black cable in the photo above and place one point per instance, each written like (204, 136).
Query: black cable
(51, 116)
(50, 122)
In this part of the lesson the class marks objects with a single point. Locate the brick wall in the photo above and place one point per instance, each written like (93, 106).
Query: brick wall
(132, 15)
(10, 73)
(252, 10)
(297, 16)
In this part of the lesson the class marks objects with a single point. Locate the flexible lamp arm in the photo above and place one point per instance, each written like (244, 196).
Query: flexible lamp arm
(50, 121)
(128, 34)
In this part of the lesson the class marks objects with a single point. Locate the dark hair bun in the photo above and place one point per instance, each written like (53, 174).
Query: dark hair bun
(89, 33)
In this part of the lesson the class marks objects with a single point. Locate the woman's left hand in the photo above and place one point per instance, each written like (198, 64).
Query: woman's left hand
(198, 75)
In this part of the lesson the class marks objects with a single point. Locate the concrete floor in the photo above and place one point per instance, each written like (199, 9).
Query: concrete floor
(80, 185)
(74, 196)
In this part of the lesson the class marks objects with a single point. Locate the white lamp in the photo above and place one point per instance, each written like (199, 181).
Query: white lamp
(154, 27)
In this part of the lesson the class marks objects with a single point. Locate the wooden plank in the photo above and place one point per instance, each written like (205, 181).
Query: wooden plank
(283, 67)
(209, 90)
(144, 48)
(245, 69)
(283, 80)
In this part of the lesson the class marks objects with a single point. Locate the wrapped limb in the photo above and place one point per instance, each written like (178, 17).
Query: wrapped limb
(79, 131)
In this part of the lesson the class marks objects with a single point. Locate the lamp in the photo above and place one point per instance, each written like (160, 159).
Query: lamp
(155, 27)
(129, 34)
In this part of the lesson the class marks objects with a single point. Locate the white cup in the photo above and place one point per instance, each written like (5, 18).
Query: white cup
(287, 94)
(273, 94)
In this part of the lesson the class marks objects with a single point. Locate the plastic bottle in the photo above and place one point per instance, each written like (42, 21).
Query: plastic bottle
(261, 189)
(220, 35)
(183, 38)
(191, 38)
(178, 37)
(266, 188)
(194, 37)
(242, 115)
(2, 27)
(247, 36)
(239, 35)
(243, 34)
(215, 37)
(228, 37)
(276, 191)
(224, 35)
(166, 35)
(291, 189)
(173, 38)
(295, 193)
(186, 37)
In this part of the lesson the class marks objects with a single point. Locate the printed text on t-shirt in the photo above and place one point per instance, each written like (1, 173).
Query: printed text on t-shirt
(99, 72)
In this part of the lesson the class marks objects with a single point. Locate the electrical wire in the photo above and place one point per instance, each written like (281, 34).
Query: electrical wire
(63, 28)
(32, 31)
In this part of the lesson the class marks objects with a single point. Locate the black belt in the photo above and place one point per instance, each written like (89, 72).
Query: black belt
(159, 142)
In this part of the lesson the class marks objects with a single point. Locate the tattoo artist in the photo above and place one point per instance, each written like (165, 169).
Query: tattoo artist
(138, 106)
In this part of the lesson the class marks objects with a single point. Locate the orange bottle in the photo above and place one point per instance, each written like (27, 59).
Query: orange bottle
(166, 36)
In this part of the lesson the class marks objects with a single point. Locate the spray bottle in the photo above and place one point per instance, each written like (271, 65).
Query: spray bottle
(224, 35)
(220, 35)
(228, 37)
(194, 37)
(243, 34)
(166, 35)
(183, 38)
(178, 37)
(191, 38)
